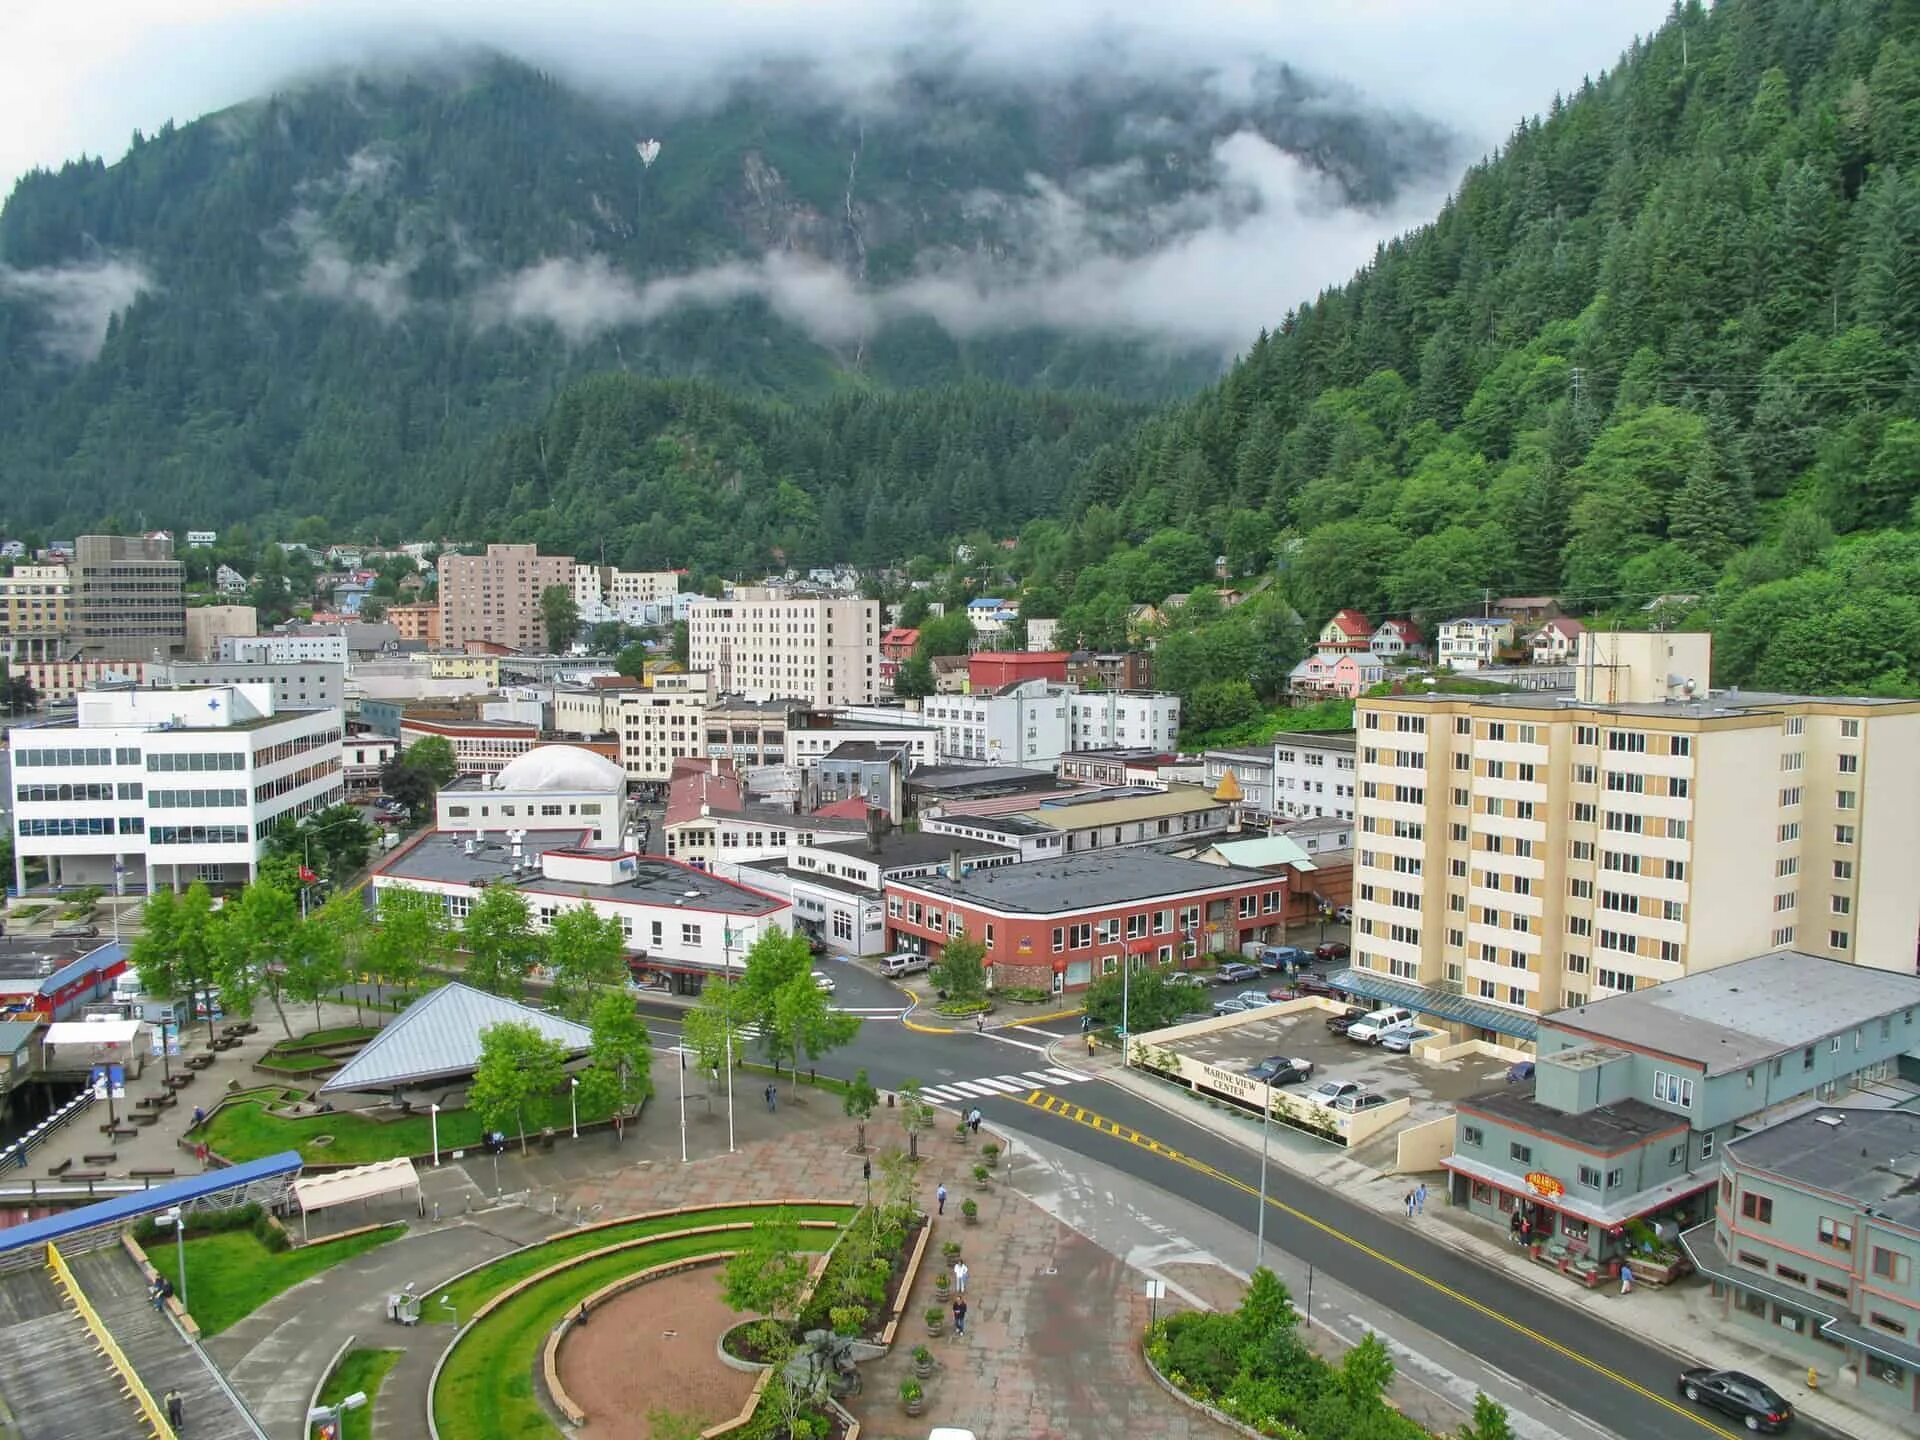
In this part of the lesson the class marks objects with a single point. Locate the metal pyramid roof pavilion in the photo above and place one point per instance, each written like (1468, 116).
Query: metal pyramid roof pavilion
(437, 1037)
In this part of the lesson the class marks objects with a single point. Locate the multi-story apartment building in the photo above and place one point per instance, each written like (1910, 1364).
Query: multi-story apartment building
(1252, 770)
(419, 622)
(168, 786)
(1524, 852)
(1636, 1098)
(1097, 719)
(1313, 775)
(129, 597)
(1019, 724)
(1112, 670)
(664, 723)
(766, 645)
(1474, 641)
(36, 614)
(813, 736)
(496, 596)
(480, 747)
(597, 585)
(747, 732)
(1815, 1246)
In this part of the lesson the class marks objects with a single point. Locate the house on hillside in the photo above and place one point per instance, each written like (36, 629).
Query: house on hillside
(1526, 609)
(229, 581)
(1474, 640)
(1347, 630)
(1554, 643)
(1397, 640)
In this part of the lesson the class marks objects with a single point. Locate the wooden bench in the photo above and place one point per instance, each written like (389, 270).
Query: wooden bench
(166, 1101)
(180, 1082)
(146, 1117)
(125, 1132)
(154, 1172)
(104, 1157)
(198, 1062)
(62, 1168)
(86, 1175)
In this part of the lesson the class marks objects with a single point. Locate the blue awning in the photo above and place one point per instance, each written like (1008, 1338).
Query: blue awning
(1366, 985)
(281, 1168)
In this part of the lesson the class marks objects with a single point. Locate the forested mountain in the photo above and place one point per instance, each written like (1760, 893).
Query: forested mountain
(322, 302)
(1665, 344)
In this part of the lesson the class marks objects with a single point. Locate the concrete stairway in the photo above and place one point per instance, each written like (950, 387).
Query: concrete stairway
(155, 1347)
(57, 1385)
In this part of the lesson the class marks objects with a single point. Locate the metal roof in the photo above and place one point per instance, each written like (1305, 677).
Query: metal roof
(1263, 851)
(14, 1035)
(1366, 985)
(438, 1036)
(1738, 1015)
(1088, 880)
(34, 1233)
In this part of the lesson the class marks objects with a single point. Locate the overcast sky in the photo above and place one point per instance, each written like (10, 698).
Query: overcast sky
(78, 76)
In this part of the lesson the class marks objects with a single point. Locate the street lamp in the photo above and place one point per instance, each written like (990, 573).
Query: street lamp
(178, 1221)
(1266, 1129)
(327, 1417)
(433, 1117)
(573, 1095)
(1126, 998)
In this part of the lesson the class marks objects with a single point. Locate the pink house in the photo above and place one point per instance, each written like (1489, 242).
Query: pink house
(1343, 677)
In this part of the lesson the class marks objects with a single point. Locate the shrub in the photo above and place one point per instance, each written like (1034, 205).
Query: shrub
(848, 1320)
(1023, 994)
(963, 1008)
(980, 1174)
(912, 1391)
(214, 1222)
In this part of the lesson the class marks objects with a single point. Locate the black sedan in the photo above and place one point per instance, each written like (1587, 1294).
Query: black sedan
(1752, 1402)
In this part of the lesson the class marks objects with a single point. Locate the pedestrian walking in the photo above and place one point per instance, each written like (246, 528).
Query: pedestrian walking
(940, 1200)
(960, 1273)
(973, 1120)
(1626, 1278)
(176, 1411)
(1513, 1227)
(157, 1294)
(1407, 1199)
(959, 1315)
(980, 1024)
(1420, 1198)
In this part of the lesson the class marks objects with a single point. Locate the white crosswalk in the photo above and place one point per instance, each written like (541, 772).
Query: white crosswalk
(987, 1087)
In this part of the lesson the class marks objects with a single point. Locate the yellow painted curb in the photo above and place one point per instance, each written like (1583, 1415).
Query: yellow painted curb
(927, 1029)
(1037, 1019)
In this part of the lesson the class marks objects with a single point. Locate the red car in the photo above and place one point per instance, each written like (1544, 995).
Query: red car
(1333, 950)
(1281, 992)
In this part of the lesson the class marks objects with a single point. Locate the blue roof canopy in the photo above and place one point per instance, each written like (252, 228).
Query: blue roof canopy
(124, 1209)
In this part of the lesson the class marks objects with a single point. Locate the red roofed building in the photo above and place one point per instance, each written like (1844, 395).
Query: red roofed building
(989, 670)
(1396, 638)
(1556, 642)
(1347, 633)
(896, 647)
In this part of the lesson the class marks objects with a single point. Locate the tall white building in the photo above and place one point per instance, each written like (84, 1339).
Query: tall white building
(765, 645)
(1116, 719)
(168, 785)
(283, 649)
(1037, 721)
(662, 724)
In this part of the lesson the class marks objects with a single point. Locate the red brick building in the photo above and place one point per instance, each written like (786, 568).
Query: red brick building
(988, 670)
(1058, 924)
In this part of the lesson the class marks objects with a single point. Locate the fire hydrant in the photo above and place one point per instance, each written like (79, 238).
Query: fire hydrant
(1813, 1378)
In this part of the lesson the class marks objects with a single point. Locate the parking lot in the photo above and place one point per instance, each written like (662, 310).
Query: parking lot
(1302, 1034)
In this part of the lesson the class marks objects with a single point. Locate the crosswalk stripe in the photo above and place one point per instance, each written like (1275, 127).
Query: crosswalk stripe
(1004, 1085)
(1067, 1077)
(1043, 1077)
(975, 1088)
(941, 1092)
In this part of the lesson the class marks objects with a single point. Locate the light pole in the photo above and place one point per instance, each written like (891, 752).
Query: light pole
(682, 1052)
(433, 1118)
(1126, 1006)
(573, 1096)
(327, 1417)
(178, 1220)
(1266, 1129)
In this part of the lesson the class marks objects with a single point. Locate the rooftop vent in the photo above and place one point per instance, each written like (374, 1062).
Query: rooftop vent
(1832, 1122)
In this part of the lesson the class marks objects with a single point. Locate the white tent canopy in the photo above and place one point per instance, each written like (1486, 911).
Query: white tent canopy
(363, 1182)
(92, 1032)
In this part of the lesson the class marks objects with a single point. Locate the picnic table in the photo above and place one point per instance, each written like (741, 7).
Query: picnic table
(199, 1062)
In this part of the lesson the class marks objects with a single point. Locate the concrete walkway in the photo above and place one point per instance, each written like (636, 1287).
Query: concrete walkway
(1683, 1319)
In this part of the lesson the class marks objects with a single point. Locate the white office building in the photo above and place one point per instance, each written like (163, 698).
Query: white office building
(1116, 719)
(1034, 722)
(1313, 775)
(283, 649)
(164, 787)
(763, 644)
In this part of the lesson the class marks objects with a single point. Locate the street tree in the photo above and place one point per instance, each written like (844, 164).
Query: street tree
(861, 1098)
(1150, 999)
(619, 1069)
(560, 614)
(915, 1115)
(183, 961)
(500, 942)
(256, 929)
(316, 960)
(585, 952)
(152, 952)
(411, 933)
(714, 1028)
(802, 1022)
(962, 971)
(766, 1277)
(1490, 1420)
(518, 1065)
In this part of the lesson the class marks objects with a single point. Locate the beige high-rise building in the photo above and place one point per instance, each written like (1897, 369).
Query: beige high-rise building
(765, 645)
(662, 724)
(129, 597)
(36, 612)
(496, 596)
(1526, 852)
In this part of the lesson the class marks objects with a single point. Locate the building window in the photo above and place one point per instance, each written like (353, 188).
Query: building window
(1518, 1153)
(1843, 834)
(1059, 939)
(1837, 1233)
(1615, 1179)
(1757, 1207)
(1886, 1323)
(1472, 1136)
(1891, 1265)
(1790, 1275)
(1590, 1177)
(1838, 939)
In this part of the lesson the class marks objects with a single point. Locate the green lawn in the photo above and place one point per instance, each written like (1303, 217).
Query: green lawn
(471, 1292)
(361, 1370)
(297, 1064)
(339, 1035)
(485, 1391)
(231, 1274)
(245, 1131)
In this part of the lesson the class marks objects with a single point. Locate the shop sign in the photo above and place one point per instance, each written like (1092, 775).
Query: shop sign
(1542, 1183)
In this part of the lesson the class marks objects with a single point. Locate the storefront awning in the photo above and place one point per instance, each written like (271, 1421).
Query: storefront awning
(1424, 1000)
(1632, 1207)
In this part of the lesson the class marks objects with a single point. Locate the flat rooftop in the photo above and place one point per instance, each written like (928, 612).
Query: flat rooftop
(968, 777)
(1738, 1015)
(1088, 880)
(1611, 1129)
(919, 847)
(441, 858)
(1075, 813)
(865, 750)
(1015, 824)
(1870, 1156)
(1718, 704)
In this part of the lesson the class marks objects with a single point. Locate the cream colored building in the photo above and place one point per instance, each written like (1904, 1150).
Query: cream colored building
(764, 645)
(1528, 852)
(208, 625)
(605, 585)
(36, 612)
(457, 665)
(496, 596)
(662, 724)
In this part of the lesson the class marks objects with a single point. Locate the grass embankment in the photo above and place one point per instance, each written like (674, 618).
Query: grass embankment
(233, 1273)
(338, 1035)
(245, 1131)
(361, 1370)
(486, 1391)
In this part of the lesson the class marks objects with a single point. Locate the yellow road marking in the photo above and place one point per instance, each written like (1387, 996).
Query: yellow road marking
(1039, 1019)
(1053, 1105)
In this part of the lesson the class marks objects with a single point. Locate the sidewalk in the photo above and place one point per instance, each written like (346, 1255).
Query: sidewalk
(1682, 1319)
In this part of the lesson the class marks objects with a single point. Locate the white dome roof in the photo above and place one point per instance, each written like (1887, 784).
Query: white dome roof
(561, 767)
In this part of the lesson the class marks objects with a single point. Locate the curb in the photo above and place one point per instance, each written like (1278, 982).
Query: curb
(313, 1396)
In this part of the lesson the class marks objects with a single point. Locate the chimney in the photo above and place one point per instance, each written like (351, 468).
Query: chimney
(876, 828)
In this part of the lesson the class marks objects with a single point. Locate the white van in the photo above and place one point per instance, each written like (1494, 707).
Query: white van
(1372, 1029)
(905, 963)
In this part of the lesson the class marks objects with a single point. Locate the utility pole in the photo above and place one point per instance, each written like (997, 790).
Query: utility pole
(1576, 380)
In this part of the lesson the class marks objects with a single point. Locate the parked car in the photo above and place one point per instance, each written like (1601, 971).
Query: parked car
(1281, 1070)
(1232, 1005)
(1371, 1029)
(1344, 914)
(1333, 950)
(75, 932)
(1346, 1019)
(1308, 983)
(1328, 1092)
(904, 963)
(1400, 1041)
(1281, 992)
(1235, 971)
(1752, 1402)
(1351, 1104)
(823, 981)
(1257, 999)
(1282, 957)
(1186, 980)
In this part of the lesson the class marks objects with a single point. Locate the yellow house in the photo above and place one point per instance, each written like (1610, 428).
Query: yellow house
(485, 668)
(652, 668)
